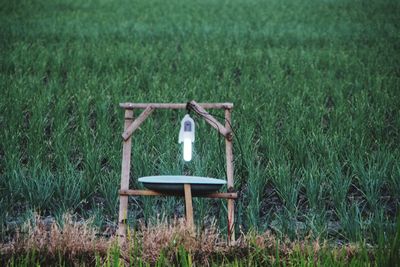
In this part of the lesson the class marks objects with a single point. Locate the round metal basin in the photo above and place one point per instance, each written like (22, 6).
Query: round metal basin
(173, 184)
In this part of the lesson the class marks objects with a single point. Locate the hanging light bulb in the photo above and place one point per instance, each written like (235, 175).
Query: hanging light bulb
(187, 149)
(186, 136)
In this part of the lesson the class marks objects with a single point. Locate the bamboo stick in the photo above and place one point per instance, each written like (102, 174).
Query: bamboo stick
(174, 105)
(210, 119)
(131, 192)
(136, 123)
(188, 205)
(230, 182)
(125, 169)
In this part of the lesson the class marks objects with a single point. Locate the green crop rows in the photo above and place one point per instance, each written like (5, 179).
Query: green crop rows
(316, 89)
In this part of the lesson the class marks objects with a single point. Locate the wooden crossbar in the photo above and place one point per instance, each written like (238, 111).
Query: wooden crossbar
(174, 105)
(131, 192)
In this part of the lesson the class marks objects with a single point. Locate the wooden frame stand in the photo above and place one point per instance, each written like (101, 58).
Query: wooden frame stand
(131, 125)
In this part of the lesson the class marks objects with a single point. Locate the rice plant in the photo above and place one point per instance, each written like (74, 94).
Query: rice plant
(316, 110)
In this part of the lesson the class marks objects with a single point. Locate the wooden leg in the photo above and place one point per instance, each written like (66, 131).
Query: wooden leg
(229, 173)
(126, 163)
(189, 206)
(231, 221)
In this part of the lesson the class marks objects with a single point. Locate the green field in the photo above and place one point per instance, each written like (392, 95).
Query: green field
(316, 89)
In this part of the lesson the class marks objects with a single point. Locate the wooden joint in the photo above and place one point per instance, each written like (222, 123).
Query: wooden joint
(231, 189)
(229, 136)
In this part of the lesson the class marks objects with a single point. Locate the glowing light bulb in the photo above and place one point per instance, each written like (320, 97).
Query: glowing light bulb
(187, 149)
(186, 136)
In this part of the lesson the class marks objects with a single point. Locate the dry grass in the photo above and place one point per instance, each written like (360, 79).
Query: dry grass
(76, 242)
(168, 238)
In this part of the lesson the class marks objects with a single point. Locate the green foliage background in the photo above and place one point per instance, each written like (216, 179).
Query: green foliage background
(315, 86)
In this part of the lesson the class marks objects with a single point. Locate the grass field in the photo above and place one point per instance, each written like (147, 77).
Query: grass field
(316, 89)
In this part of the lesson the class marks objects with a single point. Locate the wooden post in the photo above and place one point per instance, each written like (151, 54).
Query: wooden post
(188, 204)
(125, 169)
(229, 174)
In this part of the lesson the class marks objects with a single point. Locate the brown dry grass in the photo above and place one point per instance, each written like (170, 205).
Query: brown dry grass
(76, 242)
(169, 237)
